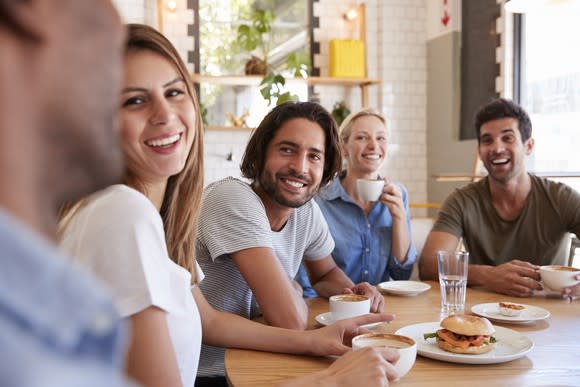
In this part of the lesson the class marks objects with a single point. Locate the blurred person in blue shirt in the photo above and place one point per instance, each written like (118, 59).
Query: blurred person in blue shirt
(372, 239)
(60, 67)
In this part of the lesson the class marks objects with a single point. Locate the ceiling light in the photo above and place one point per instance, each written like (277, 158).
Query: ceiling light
(172, 5)
(350, 14)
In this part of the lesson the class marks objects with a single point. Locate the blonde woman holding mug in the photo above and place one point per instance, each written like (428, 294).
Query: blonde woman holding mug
(375, 244)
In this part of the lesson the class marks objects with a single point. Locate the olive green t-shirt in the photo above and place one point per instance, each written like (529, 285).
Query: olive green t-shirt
(538, 234)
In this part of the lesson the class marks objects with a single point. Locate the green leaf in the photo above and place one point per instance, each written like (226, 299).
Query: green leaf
(299, 64)
(247, 37)
(286, 97)
(429, 335)
(262, 20)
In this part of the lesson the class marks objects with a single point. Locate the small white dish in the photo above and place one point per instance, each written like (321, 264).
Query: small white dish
(529, 314)
(510, 345)
(326, 319)
(404, 288)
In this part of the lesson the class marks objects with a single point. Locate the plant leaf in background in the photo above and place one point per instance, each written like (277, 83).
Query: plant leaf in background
(298, 63)
(339, 112)
(248, 38)
(286, 97)
(262, 19)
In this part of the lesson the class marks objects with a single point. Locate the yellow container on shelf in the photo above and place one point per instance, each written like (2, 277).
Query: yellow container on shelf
(347, 58)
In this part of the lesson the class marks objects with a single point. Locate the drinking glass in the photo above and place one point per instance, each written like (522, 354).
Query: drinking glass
(452, 279)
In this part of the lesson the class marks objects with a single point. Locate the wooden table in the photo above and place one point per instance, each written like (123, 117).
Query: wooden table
(554, 361)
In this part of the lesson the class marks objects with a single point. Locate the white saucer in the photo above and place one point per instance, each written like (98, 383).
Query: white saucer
(491, 311)
(326, 319)
(404, 288)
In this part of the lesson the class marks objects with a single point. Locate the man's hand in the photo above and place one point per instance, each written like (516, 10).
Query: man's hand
(514, 278)
(366, 289)
(572, 292)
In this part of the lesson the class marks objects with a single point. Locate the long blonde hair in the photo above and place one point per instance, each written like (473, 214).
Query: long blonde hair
(184, 190)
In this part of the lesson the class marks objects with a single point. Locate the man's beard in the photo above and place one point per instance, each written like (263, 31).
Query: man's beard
(271, 189)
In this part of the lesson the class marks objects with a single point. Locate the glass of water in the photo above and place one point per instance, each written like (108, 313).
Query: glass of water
(452, 279)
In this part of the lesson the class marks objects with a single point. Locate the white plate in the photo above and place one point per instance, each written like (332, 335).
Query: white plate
(404, 288)
(491, 311)
(510, 345)
(326, 319)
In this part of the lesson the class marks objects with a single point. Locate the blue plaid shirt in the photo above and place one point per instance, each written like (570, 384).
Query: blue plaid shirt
(362, 244)
(57, 326)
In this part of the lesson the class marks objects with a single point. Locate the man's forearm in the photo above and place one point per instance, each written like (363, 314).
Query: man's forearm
(332, 283)
(477, 275)
(428, 269)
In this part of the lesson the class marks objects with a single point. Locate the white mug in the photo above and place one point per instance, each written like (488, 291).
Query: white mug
(348, 305)
(370, 189)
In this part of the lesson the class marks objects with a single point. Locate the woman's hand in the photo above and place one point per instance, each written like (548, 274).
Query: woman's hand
(367, 367)
(336, 338)
(366, 289)
(392, 197)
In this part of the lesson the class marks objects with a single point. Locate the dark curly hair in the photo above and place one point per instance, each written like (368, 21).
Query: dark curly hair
(504, 108)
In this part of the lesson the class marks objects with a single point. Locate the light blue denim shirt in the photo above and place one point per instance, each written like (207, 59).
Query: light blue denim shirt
(362, 244)
(57, 325)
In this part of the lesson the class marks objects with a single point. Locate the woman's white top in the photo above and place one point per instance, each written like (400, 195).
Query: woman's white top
(119, 236)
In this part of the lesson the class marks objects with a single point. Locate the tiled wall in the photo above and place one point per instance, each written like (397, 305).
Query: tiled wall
(174, 25)
(396, 41)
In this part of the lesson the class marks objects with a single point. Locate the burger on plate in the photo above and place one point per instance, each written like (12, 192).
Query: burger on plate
(464, 334)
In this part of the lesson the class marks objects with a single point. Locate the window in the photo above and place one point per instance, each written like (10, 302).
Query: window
(550, 86)
(220, 55)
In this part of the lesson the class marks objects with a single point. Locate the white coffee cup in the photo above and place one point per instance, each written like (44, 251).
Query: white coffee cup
(370, 189)
(407, 348)
(558, 277)
(348, 305)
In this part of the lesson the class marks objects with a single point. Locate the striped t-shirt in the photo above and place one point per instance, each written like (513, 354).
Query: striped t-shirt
(233, 218)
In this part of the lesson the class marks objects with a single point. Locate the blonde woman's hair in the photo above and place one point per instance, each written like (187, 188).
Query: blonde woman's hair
(182, 200)
(345, 129)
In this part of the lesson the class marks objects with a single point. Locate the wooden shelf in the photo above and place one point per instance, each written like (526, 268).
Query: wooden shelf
(254, 80)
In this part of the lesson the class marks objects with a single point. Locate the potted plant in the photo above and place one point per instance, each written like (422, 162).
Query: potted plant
(257, 37)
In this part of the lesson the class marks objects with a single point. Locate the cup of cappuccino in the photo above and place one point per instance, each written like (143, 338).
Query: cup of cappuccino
(348, 305)
(558, 277)
(407, 348)
(370, 189)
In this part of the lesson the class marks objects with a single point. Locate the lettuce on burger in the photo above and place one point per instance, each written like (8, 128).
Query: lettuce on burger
(464, 334)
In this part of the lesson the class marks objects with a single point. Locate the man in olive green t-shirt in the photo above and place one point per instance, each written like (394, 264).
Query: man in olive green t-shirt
(510, 221)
